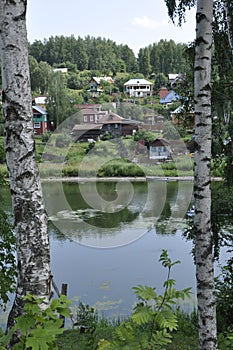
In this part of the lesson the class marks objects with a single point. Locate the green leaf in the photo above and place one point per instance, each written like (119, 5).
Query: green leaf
(144, 315)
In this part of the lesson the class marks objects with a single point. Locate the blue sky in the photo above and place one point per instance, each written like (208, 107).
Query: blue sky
(136, 23)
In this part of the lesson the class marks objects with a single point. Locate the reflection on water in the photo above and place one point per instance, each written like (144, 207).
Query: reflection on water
(107, 215)
(132, 222)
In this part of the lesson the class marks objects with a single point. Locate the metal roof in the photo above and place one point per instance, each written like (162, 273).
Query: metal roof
(138, 82)
(40, 109)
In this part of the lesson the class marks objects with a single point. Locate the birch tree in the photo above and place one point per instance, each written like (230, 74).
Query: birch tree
(202, 179)
(30, 221)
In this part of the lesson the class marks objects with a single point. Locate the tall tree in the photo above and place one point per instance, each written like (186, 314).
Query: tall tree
(202, 179)
(30, 220)
(202, 191)
(229, 20)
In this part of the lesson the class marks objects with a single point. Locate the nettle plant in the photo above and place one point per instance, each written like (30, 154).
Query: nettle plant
(154, 317)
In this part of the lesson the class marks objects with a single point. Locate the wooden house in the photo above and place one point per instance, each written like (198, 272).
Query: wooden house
(95, 88)
(170, 97)
(86, 132)
(159, 149)
(40, 120)
(117, 125)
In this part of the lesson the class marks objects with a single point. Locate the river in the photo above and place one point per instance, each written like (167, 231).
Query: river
(107, 237)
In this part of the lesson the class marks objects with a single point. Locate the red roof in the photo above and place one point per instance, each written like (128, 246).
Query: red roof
(163, 92)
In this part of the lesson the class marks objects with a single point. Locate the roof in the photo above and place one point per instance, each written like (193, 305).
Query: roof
(98, 79)
(111, 118)
(89, 106)
(83, 127)
(89, 111)
(62, 70)
(40, 100)
(182, 109)
(138, 82)
(172, 76)
(163, 92)
(159, 142)
(39, 109)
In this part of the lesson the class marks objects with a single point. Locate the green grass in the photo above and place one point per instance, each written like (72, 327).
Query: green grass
(107, 159)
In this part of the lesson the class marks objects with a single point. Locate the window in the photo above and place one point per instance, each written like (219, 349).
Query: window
(85, 118)
(37, 125)
(91, 118)
(116, 126)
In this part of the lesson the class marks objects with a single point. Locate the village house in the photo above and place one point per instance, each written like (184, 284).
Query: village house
(117, 125)
(86, 132)
(111, 124)
(138, 88)
(159, 149)
(40, 120)
(95, 88)
(91, 116)
(183, 116)
(39, 101)
(169, 97)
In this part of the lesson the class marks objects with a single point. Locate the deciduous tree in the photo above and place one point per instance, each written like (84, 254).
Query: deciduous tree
(202, 179)
(30, 220)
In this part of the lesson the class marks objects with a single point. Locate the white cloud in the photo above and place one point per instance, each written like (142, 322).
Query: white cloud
(148, 23)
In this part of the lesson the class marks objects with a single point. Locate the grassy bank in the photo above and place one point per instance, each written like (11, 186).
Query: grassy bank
(112, 158)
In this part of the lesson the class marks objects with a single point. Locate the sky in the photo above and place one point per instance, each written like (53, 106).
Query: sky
(132, 22)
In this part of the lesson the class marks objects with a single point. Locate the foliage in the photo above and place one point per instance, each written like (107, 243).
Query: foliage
(120, 167)
(46, 136)
(63, 140)
(153, 319)
(177, 8)
(87, 317)
(58, 103)
(170, 131)
(7, 258)
(37, 328)
(224, 297)
(145, 135)
(2, 152)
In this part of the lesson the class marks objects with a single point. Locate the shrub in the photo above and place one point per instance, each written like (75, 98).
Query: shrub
(45, 137)
(2, 152)
(63, 140)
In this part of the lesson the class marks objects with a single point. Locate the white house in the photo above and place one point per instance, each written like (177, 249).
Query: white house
(138, 88)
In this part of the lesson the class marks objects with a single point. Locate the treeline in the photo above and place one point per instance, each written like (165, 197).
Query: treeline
(106, 56)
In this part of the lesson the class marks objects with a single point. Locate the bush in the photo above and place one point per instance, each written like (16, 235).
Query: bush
(63, 140)
(120, 168)
(2, 152)
(45, 137)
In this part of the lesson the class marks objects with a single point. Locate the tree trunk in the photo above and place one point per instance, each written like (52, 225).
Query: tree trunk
(229, 20)
(30, 220)
(202, 179)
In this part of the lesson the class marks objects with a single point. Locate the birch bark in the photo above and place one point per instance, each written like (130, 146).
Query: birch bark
(30, 220)
(202, 179)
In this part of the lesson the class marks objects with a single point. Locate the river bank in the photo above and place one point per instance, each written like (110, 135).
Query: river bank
(123, 179)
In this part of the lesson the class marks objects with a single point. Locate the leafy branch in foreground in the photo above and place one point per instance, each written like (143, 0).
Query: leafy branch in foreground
(154, 317)
(7, 257)
(37, 329)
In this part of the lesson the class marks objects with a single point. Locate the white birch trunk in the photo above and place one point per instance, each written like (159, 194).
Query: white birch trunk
(229, 20)
(30, 220)
(202, 179)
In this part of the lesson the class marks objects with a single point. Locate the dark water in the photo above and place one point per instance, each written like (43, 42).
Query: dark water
(107, 237)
